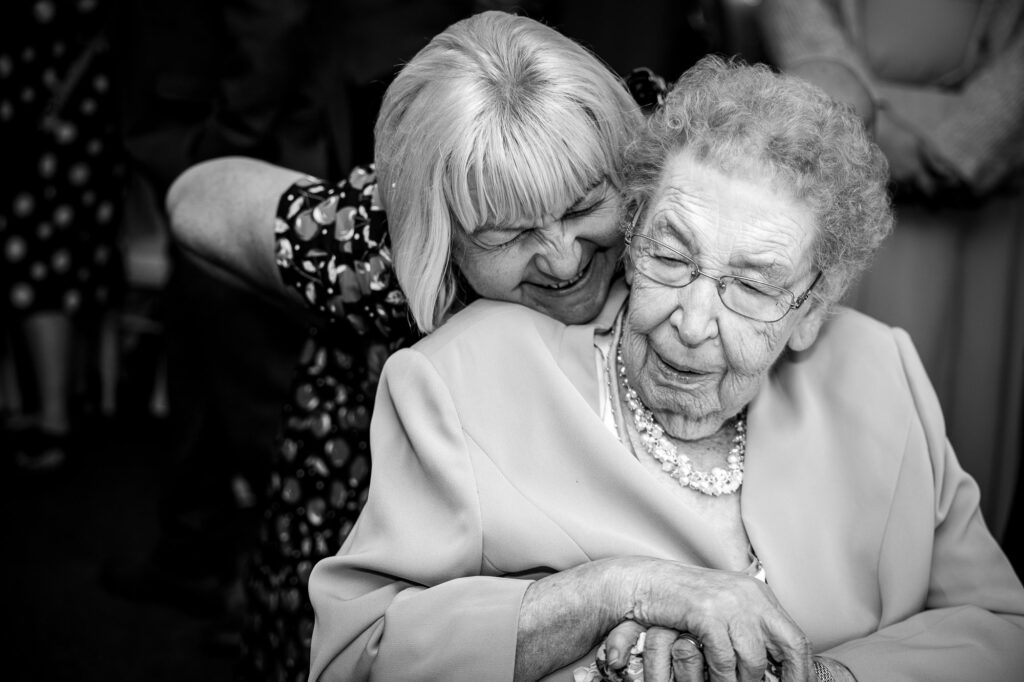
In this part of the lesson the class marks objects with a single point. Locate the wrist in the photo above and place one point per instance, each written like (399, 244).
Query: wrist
(616, 590)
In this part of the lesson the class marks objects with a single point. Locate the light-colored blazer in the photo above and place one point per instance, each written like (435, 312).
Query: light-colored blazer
(491, 466)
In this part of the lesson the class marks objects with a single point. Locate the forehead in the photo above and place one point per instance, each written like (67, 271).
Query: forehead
(732, 220)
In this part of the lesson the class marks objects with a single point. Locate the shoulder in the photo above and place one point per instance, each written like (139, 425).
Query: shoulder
(318, 201)
(850, 338)
(860, 366)
(494, 327)
(490, 329)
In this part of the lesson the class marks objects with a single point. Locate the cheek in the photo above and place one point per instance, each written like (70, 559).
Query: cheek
(750, 349)
(649, 305)
(491, 275)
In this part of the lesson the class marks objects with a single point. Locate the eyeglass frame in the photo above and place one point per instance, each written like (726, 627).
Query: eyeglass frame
(795, 301)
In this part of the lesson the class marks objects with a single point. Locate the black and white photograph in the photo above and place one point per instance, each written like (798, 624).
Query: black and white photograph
(498, 340)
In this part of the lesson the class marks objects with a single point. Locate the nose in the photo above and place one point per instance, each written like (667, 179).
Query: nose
(695, 318)
(561, 254)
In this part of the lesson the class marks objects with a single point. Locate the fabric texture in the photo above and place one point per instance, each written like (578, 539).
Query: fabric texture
(952, 73)
(332, 247)
(492, 466)
(60, 205)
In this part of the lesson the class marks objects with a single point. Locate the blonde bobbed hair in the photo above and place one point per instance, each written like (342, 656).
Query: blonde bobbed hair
(498, 119)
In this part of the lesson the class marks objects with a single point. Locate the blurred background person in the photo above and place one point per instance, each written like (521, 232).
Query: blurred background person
(941, 85)
(295, 84)
(60, 205)
(203, 79)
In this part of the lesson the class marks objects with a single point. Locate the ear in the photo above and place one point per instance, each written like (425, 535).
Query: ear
(805, 333)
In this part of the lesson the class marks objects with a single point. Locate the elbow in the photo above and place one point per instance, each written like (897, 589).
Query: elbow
(182, 201)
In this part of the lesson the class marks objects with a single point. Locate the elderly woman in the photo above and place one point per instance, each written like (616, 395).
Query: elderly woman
(537, 486)
(497, 104)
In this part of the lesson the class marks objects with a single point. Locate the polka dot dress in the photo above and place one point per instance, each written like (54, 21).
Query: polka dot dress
(60, 204)
(333, 248)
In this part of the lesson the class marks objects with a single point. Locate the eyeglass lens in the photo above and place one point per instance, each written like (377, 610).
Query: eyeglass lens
(750, 298)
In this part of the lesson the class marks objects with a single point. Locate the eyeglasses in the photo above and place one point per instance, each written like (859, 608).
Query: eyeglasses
(744, 296)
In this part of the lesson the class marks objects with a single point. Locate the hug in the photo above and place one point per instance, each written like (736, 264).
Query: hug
(641, 435)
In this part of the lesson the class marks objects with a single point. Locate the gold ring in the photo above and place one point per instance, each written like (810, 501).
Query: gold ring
(696, 641)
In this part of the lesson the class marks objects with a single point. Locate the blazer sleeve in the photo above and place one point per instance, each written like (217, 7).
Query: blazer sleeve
(405, 598)
(802, 32)
(331, 244)
(974, 128)
(972, 622)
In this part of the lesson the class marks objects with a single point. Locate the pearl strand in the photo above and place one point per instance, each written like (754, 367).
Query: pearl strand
(716, 482)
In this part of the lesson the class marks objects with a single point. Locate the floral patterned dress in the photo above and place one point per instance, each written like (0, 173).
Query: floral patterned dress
(333, 248)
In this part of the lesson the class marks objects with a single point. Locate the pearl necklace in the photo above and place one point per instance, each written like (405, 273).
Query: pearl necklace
(716, 482)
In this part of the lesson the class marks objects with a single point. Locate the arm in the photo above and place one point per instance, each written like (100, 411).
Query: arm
(405, 598)
(222, 214)
(975, 129)
(408, 596)
(972, 622)
(807, 39)
(935, 137)
(327, 246)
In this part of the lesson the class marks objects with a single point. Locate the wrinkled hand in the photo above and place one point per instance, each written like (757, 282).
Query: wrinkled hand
(667, 655)
(736, 618)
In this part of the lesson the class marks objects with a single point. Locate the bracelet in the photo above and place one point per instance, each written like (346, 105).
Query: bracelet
(822, 672)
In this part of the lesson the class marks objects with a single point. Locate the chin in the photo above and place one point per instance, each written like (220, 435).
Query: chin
(688, 416)
(578, 314)
(691, 427)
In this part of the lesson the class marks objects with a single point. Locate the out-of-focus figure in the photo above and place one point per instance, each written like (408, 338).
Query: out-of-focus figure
(941, 84)
(60, 202)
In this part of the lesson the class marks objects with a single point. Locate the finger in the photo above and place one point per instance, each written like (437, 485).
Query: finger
(719, 656)
(620, 641)
(751, 658)
(793, 653)
(658, 654)
(687, 659)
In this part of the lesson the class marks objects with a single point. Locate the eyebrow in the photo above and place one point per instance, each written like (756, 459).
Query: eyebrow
(491, 227)
(676, 233)
(771, 271)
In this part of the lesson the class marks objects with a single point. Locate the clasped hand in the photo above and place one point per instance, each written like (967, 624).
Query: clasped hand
(697, 620)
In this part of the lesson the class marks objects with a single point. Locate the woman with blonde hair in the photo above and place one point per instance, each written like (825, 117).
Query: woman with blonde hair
(497, 156)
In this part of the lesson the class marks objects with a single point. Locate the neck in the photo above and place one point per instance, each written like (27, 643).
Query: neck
(689, 429)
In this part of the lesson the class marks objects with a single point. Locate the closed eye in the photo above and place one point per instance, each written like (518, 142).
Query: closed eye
(672, 259)
(492, 243)
(583, 211)
(757, 287)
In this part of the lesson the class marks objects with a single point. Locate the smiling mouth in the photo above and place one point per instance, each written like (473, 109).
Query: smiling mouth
(568, 283)
(682, 370)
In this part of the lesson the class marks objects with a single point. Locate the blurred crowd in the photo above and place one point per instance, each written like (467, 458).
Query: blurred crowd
(103, 103)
